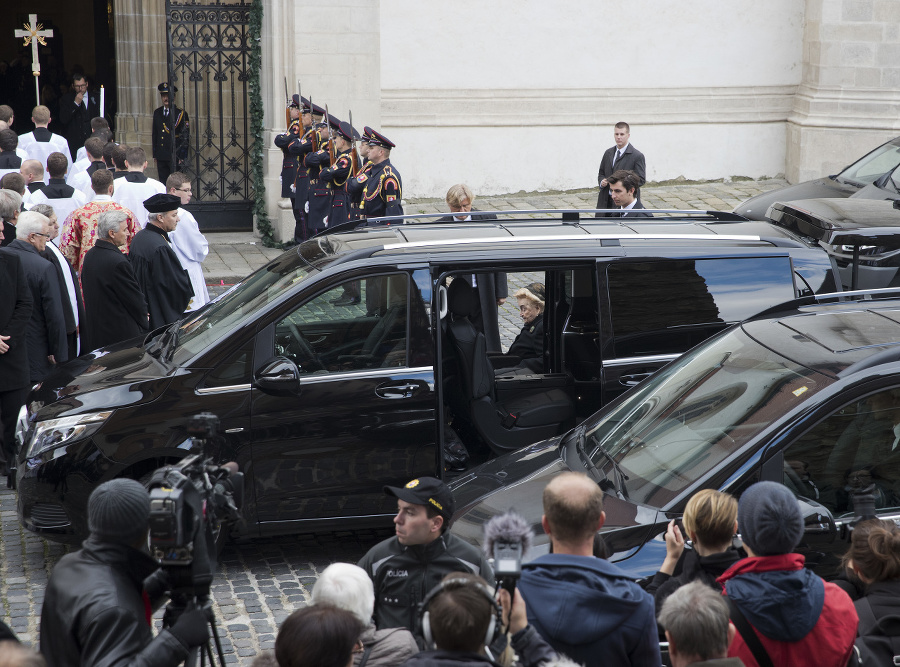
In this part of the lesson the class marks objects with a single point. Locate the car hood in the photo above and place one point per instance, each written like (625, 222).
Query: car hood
(756, 207)
(111, 377)
(516, 481)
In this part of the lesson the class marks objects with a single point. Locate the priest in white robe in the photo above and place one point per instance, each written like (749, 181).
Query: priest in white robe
(189, 244)
(135, 187)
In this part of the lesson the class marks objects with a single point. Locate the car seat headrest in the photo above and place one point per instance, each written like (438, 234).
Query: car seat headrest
(461, 297)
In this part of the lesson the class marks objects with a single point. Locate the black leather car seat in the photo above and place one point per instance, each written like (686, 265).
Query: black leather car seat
(518, 421)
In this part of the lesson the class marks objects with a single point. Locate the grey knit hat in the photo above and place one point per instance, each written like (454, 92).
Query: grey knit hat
(119, 511)
(769, 519)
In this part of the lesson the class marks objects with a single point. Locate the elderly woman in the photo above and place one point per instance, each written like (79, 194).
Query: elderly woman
(529, 344)
(348, 587)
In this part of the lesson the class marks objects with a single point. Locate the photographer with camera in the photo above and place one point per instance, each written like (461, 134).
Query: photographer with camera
(460, 619)
(100, 599)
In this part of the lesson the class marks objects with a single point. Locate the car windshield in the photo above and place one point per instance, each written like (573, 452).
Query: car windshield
(242, 301)
(697, 412)
(867, 169)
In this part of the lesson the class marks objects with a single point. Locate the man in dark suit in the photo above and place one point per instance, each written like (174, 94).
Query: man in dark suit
(115, 308)
(491, 288)
(623, 190)
(165, 118)
(76, 108)
(15, 313)
(621, 156)
(46, 337)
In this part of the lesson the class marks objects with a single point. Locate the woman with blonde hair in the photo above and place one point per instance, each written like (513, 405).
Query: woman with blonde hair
(710, 522)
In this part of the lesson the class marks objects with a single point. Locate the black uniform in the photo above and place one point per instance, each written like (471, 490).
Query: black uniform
(288, 161)
(336, 178)
(164, 282)
(162, 140)
(355, 188)
(381, 192)
(319, 197)
(300, 147)
(115, 308)
(402, 575)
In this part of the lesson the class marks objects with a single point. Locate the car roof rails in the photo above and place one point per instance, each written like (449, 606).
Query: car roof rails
(850, 296)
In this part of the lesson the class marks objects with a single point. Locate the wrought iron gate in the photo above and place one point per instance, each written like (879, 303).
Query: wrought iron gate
(208, 54)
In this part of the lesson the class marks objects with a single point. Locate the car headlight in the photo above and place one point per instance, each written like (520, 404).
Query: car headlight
(21, 426)
(55, 432)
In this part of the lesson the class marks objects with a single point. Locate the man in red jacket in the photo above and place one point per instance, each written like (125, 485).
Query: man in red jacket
(796, 618)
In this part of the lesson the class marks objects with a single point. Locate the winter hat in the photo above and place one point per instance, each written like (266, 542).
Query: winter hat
(769, 519)
(119, 511)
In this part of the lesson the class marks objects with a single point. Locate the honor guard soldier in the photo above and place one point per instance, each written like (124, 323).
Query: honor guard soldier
(164, 119)
(320, 193)
(355, 187)
(382, 185)
(289, 162)
(337, 175)
(301, 147)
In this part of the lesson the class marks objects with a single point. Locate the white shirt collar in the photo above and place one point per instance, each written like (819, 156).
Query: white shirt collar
(102, 198)
(623, 149)
(631, 205)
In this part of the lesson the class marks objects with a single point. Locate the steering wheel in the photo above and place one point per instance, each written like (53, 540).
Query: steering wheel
(305, 348)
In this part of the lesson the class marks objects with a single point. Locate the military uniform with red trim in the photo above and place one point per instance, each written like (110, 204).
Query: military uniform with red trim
(383, 187)
(337, 177)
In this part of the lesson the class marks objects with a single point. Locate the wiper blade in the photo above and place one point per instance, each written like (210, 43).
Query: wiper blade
(602, 478)
(621, 491)
(172, 342)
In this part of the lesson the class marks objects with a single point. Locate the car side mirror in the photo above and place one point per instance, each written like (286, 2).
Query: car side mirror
(278, 376)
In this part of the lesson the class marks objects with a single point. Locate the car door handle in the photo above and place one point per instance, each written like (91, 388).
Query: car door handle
(633, 378)
(403, 390)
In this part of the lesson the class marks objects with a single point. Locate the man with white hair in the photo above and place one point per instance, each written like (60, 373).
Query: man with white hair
(10, 205)
(115, 308)
(347, 586)
(695, 618)
(46, 334)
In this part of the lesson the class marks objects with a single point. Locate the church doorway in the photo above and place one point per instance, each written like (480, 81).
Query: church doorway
(83, 41)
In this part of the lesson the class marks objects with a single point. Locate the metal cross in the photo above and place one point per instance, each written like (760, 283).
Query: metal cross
(34, 34)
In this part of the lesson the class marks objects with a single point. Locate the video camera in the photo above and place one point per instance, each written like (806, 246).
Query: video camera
(192, 505)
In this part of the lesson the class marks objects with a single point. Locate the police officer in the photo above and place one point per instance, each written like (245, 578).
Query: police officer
(337, 175)
(164, 118)
(290, 162)
(382, 185)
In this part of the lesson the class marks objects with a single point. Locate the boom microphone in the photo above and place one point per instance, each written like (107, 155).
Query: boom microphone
(506, 539)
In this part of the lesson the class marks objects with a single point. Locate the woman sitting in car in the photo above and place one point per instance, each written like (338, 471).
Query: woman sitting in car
(528, 347)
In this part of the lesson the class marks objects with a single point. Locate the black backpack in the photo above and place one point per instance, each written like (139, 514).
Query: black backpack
(879, 638)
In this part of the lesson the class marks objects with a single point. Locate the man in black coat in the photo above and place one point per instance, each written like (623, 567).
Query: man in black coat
(98, 600)
(15, 313)
(621, 156)
(165, 118)
(115, 308)
(46, 338)
(76, 108)
(623, 190)
(164, 282)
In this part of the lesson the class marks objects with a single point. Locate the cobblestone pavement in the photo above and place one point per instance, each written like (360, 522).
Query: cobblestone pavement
(233, 255)
(260, 582)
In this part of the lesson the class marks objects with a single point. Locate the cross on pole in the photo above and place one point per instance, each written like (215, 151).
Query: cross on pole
(35, 34)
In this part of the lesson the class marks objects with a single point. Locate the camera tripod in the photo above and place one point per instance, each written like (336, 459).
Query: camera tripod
(182, 602)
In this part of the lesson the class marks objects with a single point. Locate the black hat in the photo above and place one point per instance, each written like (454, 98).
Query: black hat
(295, 102)
(427, 491)
(347, 132)
(162, 203)
(317, 110)
(378, 139)
(334, 122)
(164, 87)
(119, 511)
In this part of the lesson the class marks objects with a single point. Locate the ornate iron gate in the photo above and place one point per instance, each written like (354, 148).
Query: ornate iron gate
(208, 53)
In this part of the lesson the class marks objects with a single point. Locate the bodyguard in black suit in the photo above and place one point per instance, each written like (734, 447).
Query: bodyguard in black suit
(76, 108)
(15, 378)
(621, 156)
(115, 307)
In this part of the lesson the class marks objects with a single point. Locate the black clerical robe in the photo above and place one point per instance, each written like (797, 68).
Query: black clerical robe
(114, 305)
(165, 284)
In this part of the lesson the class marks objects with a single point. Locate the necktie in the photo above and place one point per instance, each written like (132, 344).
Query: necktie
(618, 155)
(166, 112)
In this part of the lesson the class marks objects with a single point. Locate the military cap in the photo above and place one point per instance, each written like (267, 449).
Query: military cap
(164, 87)
(334, 122)
(378, 139)
(162, 203)
(346, 131)
(317, 110)
(297, 102)
(367, 134)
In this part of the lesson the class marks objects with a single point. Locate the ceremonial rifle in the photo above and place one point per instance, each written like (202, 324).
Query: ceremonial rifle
(330, 138)
(287, 108)
(354, 156)
(314, 133)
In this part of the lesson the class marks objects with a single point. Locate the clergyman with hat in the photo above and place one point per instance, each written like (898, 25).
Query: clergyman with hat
(164, 282)
(99, 600)
(165, 118)
(404, 568)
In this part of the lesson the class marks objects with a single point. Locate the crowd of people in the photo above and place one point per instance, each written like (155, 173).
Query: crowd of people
(92, 252)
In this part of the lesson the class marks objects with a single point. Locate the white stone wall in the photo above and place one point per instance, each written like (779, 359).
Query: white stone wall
(522, 95)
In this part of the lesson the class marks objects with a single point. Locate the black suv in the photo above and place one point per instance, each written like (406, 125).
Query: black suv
(322, 404)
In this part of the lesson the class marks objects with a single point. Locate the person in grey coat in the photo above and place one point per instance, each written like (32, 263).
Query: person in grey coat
(347, 586)
(46, 335)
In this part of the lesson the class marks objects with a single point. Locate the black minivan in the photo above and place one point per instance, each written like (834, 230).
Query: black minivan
(323, 404)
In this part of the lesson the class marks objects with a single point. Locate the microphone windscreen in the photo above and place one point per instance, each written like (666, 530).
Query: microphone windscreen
(507, 527)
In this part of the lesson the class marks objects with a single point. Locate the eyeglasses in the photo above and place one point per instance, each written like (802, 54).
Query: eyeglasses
(183, 190)
(79, 86)
(46, 236)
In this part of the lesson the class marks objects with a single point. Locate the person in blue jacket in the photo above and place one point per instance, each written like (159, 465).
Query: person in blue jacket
(586, 607)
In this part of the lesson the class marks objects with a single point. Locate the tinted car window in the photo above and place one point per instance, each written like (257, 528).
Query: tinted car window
(669, 306)
(869, 168)
(852, 448)
(688, 418)
(324, 336)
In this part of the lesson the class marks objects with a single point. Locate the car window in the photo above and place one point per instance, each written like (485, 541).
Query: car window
(869, 168)
(847, 451)
(667, 307)
(357, 325)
